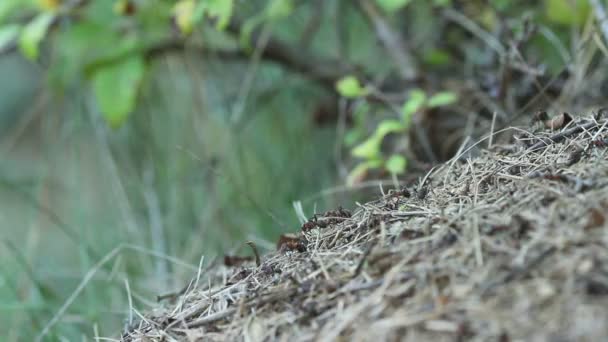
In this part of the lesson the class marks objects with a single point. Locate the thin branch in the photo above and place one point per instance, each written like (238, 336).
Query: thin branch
(560, 136)
(476, 30)
(323, 71)
(390, 39)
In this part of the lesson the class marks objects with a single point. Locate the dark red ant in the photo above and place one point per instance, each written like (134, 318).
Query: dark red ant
(290, 242)
(403, 192)
(327, 218)
(310, 224)
(600, 142)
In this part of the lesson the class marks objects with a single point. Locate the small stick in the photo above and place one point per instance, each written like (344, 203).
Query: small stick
(201, 321)
(558, 137)
(255, 252)
(492, 130)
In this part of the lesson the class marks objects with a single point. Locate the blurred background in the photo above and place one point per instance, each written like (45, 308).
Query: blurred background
(139, 138)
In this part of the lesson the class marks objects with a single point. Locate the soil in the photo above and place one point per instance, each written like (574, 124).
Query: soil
(509, 244)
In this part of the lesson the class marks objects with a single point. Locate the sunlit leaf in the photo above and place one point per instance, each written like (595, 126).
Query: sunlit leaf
(222, 10)
(392, 5)
(396, 164)
(388, 126)
(567, 12)
(443, 98)
(183, 14)
(49, 5)
(413, 104)
(368, 149)
(350, 87)
(33, 33)
(8, 34)
(116, 87)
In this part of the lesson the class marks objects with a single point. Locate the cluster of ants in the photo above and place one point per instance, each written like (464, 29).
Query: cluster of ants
(327, 218)
(298, 242)
(292, 242)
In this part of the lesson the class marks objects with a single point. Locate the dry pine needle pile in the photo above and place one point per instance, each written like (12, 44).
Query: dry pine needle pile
(510, 244)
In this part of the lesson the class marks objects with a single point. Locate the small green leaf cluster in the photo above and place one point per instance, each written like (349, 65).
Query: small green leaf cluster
(369, 150)
(104, 42)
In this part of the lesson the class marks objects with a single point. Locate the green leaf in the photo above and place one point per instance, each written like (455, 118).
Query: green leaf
(388, 126)
(350, 87)
(396, 164)
(392, 5)
(8, 34)
(437, 57)
(278, 9)
(567, 12)
(116, 87)
(33, 33)
(78, 58)
(368, 149)
(443, 98)
(222, 10)
(183, 14)
(412, 105)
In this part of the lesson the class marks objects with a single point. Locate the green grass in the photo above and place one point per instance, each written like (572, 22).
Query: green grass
(178, 182)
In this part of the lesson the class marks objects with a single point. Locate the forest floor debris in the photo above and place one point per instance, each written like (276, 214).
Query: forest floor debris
(510, 244)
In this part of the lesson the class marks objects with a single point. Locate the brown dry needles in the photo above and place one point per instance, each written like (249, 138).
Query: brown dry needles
(510, 244)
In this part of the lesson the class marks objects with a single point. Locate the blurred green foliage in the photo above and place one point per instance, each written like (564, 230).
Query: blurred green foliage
(183, 128)
(370, 150)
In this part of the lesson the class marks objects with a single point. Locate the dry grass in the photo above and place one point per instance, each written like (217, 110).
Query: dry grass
(511, 244)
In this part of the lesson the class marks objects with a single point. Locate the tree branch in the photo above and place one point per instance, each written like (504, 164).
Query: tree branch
(325, 71)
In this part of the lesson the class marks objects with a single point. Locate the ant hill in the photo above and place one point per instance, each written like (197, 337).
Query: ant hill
(508, 244)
